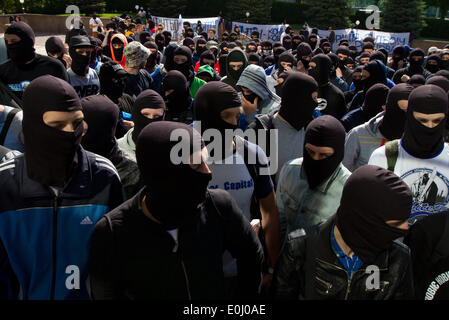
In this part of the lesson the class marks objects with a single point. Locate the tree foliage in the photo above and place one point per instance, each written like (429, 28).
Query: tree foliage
(403, 16)
(325, 13)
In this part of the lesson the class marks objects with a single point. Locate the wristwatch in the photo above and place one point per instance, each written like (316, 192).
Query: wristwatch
(270, 270)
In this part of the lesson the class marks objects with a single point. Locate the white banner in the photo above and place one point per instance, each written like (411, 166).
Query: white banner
(170, 24)
(387, 40)
(206, 23)
(174, 25)
(266, 32)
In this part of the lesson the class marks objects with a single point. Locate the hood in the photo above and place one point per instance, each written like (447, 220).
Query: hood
(254, 78)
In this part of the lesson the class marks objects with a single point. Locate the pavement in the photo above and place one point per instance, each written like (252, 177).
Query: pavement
(40, 42)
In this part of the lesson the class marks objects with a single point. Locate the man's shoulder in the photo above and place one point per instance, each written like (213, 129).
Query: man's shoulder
(101, 166)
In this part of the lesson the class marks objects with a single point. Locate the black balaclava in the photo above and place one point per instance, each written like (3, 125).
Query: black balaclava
(146, 99)
(416, 66)
(225, 36)
(179, 100)
(154, 58)
(313, 40)
(358, 84)
(432, 67)
(23, 51)
(113, 89)
(399, 53)
(375, 98)
(80, 63)
(233, 36)
(97, 52)
(160, 41)
(297, 105)
(393, 122)
(361, 216)
(164, 179)
(251, 43)
(278, 87)
(211, 99)
(188, 42)
(169, 54)
(186, 68)
(287, 42)
(49, 152)
(222, 47)
(236, 55)
(440, 81)
(118, 53)
(286, 57)
(325, 131)
(143, 37)
(326, 47)
(222, 64)
(444, 73)
(199, 50)
(277, 44)
(322, 70)
(255, 58)
(417, 80)
(268, 61)
(207, 55)
(365, 55)
(419, 140)
(317, 51)
(54, 45)
(167, 37)
(444, 64)
(190, 33)
(343, 50)
(378, 55)
(377, 75)
(266, 52)
(304, 50)
(101, 116)
(277, 52)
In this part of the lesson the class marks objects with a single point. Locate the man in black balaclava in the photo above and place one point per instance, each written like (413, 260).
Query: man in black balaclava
(55, 169)
(267, 62)
(222, 64)
(101, 116)
(417, 80)
(296, 40)
(188, 42)
(155, 57)
(236, 62)
(277, 51)
(182, 61)
(393, 122)
(320, 68)
(55, 48)
(225, 36)
(160, 41)
(207, 57)
(200, 47)
(343, 52)
(24, 65)
(145, 37)
(267, 49)
(375, 100)
(433, 63)
(318, 174)
(254, 58)
(416, 63)
(177, 97)
(251, 47)
(280, 83)
(313, 40)
(148, 107)
(334, 79)
(163, 232)
(287, 42)
(398, 58)
(373, 72)
(358, 84)
(303, 55)
(167, 37)
(286, 63)
(326, 47)
(361, 233)
(421, 155)
(440, 81)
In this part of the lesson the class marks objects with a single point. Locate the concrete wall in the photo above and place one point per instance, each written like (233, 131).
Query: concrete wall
(46, 24)
(426, 44)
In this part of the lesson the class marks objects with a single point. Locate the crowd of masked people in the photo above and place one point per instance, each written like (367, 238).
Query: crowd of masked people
(92, 205)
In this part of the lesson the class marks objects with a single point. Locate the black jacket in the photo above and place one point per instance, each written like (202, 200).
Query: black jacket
(309, 269)
(399, 73)
(336, 105)
(133, 257)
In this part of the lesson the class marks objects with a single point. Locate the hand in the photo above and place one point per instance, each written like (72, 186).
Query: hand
(127, 124)
(405, 78)
(249, 107)
(300, 67)
(68, 60)
(339, 73)
(266, 284)
(255, 223)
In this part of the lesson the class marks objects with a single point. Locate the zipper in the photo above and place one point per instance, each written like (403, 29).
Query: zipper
(187, 279)
(327, 284)
(348, 288)
(55, 224)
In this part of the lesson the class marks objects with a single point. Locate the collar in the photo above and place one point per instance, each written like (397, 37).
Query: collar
(78, 187)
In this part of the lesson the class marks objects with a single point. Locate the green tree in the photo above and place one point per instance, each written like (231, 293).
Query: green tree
(324, 13)
(168, 8)
(259, 11)
(403, 16)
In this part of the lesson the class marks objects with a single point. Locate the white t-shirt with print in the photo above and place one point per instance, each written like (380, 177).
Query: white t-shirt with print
(428, 179)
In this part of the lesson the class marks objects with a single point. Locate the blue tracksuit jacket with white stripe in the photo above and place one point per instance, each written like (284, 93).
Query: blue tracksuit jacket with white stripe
(44, 237)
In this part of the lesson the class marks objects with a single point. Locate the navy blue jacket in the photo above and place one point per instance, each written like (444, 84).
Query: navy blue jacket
(44, 238)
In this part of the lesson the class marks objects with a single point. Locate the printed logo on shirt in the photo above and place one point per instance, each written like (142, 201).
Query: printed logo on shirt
(88, 90)
(235, 185)
(430, 191)
(435, 285)
(86, 220)
(19, 87)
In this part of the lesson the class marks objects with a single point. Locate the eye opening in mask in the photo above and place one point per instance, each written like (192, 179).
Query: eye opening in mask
(235, 65)
(180, 59)
(318, 153)
(67, 121)
(429, 120)
(152, 113)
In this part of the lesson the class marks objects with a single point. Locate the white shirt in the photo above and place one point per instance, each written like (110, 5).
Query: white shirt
(428, 179)
(93, 21)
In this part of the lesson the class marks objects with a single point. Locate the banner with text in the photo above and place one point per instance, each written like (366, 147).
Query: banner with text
(174, 25)
(266, 32)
